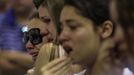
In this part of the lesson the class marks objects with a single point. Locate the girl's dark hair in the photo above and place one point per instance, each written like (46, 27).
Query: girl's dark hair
(37, 3)
(96, 10)
(55, 7)
(125, 9)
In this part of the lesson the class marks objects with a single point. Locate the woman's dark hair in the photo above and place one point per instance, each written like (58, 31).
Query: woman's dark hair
(96, 10)
(55, 7)
(125, 10)
(37, 3)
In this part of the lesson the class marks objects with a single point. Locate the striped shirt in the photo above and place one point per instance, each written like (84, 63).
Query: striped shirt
(10, 33)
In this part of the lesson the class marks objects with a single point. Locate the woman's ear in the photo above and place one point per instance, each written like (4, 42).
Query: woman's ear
(106, 29)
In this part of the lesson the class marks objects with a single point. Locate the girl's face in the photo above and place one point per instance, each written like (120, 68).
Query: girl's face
(78, 37)
(49, 24)
(33, 49)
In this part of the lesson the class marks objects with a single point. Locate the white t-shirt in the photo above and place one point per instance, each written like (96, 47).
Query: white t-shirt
(127, 72)
(81, 73)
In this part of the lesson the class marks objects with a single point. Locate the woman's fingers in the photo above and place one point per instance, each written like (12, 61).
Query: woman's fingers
(53, 63)
(59, 66)
(64, 70)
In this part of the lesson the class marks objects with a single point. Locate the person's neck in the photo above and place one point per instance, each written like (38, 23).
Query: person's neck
(89, 68)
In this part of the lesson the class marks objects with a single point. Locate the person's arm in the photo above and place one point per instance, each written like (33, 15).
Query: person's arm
(15, 59)
(5, 64)
(21, 59)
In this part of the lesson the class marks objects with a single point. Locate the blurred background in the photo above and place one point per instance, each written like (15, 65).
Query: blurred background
(14, 60)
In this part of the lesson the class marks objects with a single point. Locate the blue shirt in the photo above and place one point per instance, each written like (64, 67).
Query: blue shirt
(10, 33)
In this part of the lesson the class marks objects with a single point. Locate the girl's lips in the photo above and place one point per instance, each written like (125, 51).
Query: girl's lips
(50, 39)
(45, 33)
(67, 49)
(34, 54)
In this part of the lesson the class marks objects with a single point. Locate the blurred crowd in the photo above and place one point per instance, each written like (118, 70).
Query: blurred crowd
(66, 37)
(14, 60)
